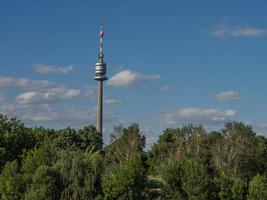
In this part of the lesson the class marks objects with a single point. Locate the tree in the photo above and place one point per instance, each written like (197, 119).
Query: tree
(127, 182)
(172, 176)
(186, 142)
(15, 139)
(195, 180)
(225, 185)
(81, 173)
(90, 138)
(66, 138)
(238, 190)
(258, 188)
(46, 155)
(46, 185)
(130, 142)
(239, 154)
(11, 182)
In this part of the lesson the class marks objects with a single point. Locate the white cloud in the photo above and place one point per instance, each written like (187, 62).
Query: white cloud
(261, 126)
(49, 96)
(127, 78)
(50, 69)
(228, 95)
(113, 101)
(166, 88)
(90, 92)
(23, 83)
(6, 107)
(223, 31)
(197, 115)
(14, 109)
(2, 100)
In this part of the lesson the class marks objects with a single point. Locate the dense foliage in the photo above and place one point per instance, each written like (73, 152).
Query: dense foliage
(186, 163)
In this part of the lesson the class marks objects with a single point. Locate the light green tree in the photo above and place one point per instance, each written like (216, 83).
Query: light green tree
(128, 143)
(127, 182)
(258, 188)
(46, 155)
(172, 176)
(225, 185)
(195, 180)
(81, 173)
(238, 190)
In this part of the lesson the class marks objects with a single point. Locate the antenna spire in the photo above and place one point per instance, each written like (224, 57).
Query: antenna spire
(101, 35)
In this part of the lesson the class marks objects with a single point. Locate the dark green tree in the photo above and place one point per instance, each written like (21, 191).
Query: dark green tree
(15, 139)
(11, 182)
(90, 138)
(46, 185)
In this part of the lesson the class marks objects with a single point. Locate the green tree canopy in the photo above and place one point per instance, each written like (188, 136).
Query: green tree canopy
(11, 182)
(258, 188)
(127, 182)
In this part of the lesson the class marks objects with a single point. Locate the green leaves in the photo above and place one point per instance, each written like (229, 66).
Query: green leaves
(238, 190)
(195, 180)
(11, 182)
(127, 182)
(81, 174)
(15, 139)
(130, 142)
(46, 184)
(258, 188)
(185, 180)
(173, 181)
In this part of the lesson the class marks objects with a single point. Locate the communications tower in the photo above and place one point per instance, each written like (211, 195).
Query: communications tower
(100, 77)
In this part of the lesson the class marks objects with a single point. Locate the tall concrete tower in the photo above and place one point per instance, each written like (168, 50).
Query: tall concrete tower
(100, 76)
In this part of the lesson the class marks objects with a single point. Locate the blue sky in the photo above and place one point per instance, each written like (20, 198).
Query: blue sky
(169, 62)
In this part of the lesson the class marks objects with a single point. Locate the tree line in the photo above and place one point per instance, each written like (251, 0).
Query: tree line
(185, 163)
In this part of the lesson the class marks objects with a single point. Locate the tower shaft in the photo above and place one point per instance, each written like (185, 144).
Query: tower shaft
(99, 118)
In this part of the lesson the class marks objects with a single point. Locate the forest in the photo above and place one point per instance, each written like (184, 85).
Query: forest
(186, 163)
